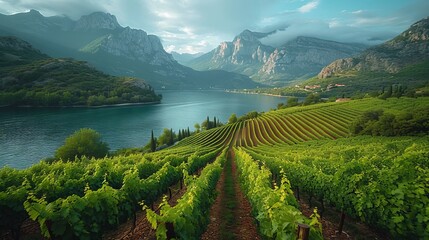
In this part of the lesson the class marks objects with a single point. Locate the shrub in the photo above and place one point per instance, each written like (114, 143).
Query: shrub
(84, 142)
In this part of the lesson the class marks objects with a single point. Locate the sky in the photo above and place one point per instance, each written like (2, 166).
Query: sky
(191, 26)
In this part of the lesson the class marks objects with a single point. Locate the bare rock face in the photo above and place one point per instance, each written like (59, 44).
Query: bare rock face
(275, 63)
(245, 54)
(335, 66)
(136, 45)
(249, 50)
(409, 47)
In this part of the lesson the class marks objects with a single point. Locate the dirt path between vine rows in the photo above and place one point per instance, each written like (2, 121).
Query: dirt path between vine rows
(230, 215)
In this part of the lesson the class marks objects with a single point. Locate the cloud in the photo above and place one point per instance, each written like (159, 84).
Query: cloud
(334, 23)
(71, 8)
(331, 29)
(184, 23)
(309, 6)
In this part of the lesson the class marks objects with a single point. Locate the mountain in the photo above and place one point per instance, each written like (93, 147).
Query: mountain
(245, 55)
(185, 58)
(29, 77)
(304, 57)
(299, 58)
(99, 39)
(410, 47)
(402, 61)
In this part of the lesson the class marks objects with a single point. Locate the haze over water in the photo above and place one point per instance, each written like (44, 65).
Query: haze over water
(28, 135)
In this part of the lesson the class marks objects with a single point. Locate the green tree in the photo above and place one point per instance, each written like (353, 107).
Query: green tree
(152, 143)
(197, 127)
(180, 136)
(205, 125)
(167, 137)
(292, 101)
(171, 139)
(84, 142)
(387, 94)
(312, 98)
(232, 118)
(208, 123)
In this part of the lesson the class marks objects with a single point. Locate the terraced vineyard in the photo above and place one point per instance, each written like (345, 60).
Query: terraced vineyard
(382, 181)
(299, 125)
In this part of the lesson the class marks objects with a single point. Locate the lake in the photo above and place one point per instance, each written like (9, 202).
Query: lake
(28, 135)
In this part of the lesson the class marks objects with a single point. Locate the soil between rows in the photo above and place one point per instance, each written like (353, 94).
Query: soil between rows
(231, 213)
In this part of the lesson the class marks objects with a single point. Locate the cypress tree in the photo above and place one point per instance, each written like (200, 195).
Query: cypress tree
(171, 140)
(400, 91)
(179, 137)
(208, 123)
(152, 143)
(389, 91)
(214, 122)
(188, 133)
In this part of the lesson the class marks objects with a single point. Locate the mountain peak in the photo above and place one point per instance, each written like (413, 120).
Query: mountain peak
(250, 36)
(97, 20)
(34, 12)
(419, 31)
(410, 47)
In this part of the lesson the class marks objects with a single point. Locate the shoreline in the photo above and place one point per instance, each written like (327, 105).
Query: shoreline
(85, 106)
(254, 93)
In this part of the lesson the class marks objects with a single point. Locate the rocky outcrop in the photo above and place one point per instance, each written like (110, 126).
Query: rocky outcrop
(411, 46)
(336, 66)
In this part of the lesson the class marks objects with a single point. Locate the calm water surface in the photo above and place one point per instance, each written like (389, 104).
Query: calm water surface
(30, 134)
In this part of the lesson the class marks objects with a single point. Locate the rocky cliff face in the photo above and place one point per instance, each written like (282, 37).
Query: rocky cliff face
(409, 47)
(245, 54)
(132, 44)
(305, 56)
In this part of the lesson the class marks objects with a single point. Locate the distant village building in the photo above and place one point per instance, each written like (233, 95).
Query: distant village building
(343, 99)
(311, 87)
(330, 86)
